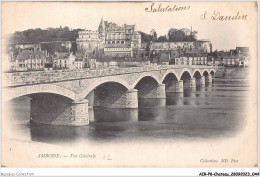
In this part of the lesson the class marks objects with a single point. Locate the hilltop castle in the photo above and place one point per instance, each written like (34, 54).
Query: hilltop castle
(110, 39)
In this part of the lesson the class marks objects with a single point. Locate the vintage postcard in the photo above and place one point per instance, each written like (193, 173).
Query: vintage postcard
(129, 84)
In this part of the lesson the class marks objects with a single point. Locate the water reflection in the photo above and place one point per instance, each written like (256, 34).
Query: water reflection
(173, 98)
(150, 102)
(189, 92)
(52, 133)
(206, 112)
(100, 114)
(150, 114)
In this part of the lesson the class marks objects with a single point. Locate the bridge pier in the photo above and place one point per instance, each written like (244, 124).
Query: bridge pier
(155, 92)
(127, 100)
(208, 78)
(176, 86)
(112, 96)
(79, 114)
(191, 82)
(76, 114)
(57, 110)
(200, 81)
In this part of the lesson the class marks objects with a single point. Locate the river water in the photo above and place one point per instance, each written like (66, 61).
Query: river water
(213, 111)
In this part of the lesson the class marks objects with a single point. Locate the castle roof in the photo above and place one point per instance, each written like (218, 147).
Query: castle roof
(164, 57)
(203, 40)
(60, 55)
(24, 55)
(129, 26)
(242, 50)
(102, 25)
(230, 56)
(39, 53)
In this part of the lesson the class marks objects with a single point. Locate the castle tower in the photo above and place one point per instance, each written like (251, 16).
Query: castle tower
(102, 29)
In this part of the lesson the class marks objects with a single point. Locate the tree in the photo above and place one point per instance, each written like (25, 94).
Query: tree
(162, 39)
(176, 35)
(194, 35)
(40, 35)
(186, 31)
(147, 49)
(155, 36)
(145, 37)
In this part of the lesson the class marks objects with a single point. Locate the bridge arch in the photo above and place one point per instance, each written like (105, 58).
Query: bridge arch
(197, 73)
(212, 72)
(171, 71)
(205, 72)
(12, 93)
(149, 87)
(219, 73)
(150, 75)
(185, 73)
(99, 82)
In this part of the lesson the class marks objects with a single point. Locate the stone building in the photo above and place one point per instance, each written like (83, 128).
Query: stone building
(202, 46)
(84, 57)
(230, 60)
(110, 39)
(122, 51)
(78, 64)
(65, 60)
(234, 57)
(30, 60)
(191, 59)
(60, 60)
(88, 41)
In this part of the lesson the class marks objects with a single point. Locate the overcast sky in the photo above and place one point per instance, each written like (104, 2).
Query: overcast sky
(17, 16)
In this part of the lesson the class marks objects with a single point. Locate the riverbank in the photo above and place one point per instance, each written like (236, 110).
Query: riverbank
(232, 74)
(230, 80)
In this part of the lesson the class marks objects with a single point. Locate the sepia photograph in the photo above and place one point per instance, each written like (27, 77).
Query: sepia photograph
(129, 84)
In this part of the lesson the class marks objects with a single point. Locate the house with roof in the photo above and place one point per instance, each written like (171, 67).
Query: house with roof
(60, 60)
(233, 57)
(30, 60)
(231, 60)
(165, 58)
(84, 57)
(48, 65)
(191, 59)
(65, 60)
(244, 57)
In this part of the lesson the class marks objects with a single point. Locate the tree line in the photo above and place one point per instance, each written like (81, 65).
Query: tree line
(44, 35)
(173, 35)
(65, 34)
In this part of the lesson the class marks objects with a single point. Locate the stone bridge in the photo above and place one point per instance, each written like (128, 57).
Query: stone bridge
(63, 97)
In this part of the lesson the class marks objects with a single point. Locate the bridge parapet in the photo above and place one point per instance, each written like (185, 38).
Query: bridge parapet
(40, 77)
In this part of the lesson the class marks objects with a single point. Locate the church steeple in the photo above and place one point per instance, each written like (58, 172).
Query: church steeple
(101, 27)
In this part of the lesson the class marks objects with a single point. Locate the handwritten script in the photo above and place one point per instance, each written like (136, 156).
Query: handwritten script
(217, 16)
(159, 8)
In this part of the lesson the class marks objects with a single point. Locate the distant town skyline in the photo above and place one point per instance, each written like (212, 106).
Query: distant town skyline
(224, 35)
